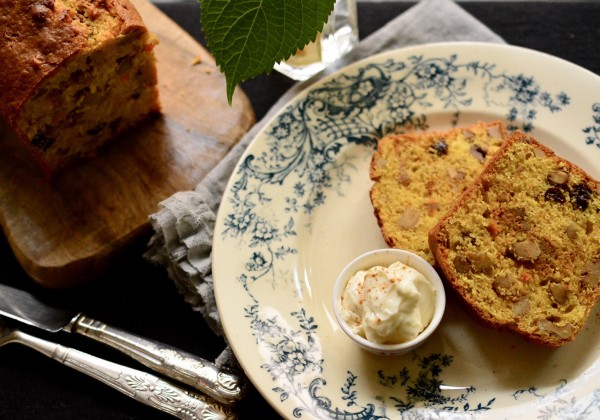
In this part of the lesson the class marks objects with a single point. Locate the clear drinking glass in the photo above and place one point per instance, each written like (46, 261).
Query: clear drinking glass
(339, 36)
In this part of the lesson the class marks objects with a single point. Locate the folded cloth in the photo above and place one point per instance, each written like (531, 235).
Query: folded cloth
(184, 224)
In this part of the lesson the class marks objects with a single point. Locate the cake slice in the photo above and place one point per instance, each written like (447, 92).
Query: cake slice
(521, 247)
(417, 176)
(76, 74)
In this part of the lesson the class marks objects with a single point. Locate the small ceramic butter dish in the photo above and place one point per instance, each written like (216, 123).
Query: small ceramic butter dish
(429, 287)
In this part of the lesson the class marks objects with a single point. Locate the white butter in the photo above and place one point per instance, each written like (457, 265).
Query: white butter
(388, 305)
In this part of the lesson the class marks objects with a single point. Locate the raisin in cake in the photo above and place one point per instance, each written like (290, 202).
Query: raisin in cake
(75, 74)
(521, 247)
(417, 176)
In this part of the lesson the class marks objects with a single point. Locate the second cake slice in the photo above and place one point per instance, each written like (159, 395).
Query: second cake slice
(417, 176)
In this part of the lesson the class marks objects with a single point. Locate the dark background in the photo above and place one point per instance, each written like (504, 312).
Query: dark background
(139, 297)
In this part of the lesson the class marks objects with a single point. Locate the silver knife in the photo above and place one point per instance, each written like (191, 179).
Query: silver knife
(224, 385)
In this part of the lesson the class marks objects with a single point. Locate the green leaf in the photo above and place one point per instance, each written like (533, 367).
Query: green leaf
(247, 37)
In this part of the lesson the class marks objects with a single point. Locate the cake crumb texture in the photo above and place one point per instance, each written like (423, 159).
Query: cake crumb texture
(77, 74)
(417, 176)
(521, 247)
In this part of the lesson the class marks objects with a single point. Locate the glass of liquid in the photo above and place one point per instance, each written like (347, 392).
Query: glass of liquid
(338, 37)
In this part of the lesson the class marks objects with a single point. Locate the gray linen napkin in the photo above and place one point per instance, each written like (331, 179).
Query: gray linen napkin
(185, 222)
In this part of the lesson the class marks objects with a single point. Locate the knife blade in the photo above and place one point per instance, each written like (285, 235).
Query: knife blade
(223, 384)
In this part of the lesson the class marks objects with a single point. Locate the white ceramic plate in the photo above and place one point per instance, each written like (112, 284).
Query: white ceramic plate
(296, 210)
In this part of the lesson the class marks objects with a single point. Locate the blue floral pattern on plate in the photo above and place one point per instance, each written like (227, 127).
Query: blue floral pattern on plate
(307, 154)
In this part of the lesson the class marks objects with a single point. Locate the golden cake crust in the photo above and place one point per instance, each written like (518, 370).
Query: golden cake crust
(521, 247)
(37, 36)
(417, 176)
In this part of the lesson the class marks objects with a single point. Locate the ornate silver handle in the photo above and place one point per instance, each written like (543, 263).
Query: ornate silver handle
(141, 386)
(224, 385)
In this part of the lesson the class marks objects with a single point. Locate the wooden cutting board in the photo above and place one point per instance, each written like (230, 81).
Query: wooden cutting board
(70, 230)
